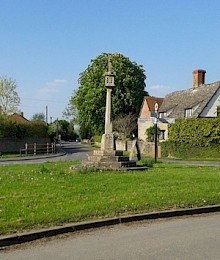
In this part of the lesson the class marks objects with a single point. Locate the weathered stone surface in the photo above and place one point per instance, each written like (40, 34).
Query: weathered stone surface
(107, 152)
(107, 158)
(108, 142)
(109, 164)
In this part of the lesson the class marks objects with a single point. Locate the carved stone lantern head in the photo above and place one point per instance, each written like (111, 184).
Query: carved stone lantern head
(109, 75)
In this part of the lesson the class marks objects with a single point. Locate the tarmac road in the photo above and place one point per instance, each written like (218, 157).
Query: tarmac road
(67, 151)
(194, 238)
(70, 151)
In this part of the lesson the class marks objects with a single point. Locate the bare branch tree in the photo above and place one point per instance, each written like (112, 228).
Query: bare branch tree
(124, 125)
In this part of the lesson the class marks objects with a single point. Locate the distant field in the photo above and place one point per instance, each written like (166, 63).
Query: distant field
(42, 195)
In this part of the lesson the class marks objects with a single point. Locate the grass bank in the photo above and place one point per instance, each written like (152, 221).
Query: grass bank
(41, 195)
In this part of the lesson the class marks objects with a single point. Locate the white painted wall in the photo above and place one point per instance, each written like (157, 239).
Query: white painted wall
(211, 109)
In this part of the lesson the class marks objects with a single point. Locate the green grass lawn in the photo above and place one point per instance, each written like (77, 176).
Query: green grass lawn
(42, 195)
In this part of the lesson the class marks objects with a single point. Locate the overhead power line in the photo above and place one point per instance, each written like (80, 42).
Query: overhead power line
(44, 100)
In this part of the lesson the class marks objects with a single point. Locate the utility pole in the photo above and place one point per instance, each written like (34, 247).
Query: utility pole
(46, 114)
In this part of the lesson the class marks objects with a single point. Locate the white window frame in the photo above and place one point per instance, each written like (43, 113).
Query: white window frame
(188, 112)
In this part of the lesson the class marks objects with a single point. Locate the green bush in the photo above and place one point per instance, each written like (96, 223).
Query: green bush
(150, 132)
(186, 150)
(98, 138)
(21, 130)
(196, 131)
(193, 138)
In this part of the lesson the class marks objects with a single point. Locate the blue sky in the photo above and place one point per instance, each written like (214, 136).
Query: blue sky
(46, 44)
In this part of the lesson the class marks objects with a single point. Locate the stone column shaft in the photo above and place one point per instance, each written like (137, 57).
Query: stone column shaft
(108, 123)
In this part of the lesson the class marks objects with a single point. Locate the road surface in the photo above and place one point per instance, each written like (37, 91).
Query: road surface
(72, 151)
(193, 238)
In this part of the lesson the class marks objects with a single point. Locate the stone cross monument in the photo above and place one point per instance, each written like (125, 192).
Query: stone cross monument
(107, 157)
(108, 138)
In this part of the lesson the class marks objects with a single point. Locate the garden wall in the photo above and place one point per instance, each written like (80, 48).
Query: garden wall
(14, 144)
(146, 148)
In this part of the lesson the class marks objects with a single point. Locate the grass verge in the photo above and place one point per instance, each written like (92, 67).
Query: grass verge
(42, 195)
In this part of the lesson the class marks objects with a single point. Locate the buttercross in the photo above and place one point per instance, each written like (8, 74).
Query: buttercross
(110, 63)
(107, 157)
(108, 138)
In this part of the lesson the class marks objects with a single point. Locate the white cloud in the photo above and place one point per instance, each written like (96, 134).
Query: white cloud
(159, 87)
(52, 87)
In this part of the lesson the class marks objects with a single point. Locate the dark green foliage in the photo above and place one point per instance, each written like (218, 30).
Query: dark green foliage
(196, 131)
(63, 128)
(89, 99)
(188, 151)
(193, 138)
(150, 132)
(10, 128)
(97, 138)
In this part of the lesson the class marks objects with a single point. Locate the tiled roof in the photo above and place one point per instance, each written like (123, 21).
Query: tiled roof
(19, 118)
(151, 101)
(176, 102)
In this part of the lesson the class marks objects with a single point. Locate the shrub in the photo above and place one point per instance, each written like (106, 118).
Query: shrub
(196, 131)
(187, 151)
(150, 132)
(21, 130)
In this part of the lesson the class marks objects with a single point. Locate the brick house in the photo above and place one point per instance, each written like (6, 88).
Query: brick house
(201, 100)
(147, 115)
(19, 118)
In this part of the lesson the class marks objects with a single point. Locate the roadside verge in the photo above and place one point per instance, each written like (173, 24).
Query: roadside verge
(9, 240)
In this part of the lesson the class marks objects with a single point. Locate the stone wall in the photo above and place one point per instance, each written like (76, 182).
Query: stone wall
(13, 144)
(144, 124)
(146, 148)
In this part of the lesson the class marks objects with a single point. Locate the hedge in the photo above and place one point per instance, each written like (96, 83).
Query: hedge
(172, 149)
(196, 131)
(21, 130)
(193, 138)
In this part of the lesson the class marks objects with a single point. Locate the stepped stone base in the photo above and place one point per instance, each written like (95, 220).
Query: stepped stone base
(108, 159)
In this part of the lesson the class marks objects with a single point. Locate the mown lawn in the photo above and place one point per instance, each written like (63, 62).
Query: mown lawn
(42, 195)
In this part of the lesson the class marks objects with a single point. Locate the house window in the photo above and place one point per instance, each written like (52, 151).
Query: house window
(188, 112)
(162, 135)
(162, 114)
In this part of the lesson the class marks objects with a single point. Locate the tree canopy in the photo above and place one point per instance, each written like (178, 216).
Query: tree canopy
(63, 128)
(89, 98)
(38, 117)
(9, 99)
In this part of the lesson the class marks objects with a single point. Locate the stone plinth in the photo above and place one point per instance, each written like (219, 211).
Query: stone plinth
(108, 142)
(108, 159)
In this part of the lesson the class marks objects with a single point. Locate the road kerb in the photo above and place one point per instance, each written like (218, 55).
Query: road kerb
(14, 239)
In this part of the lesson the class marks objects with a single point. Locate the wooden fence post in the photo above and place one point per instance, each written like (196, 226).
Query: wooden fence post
(35, 149)
(54, 147)
(26, 148)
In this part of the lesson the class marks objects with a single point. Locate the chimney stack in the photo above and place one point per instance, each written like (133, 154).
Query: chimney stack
(198, 78)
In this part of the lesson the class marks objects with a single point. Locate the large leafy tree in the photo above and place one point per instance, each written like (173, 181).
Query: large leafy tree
(9, 99)
(89, 98)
